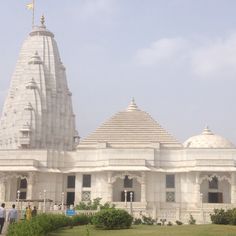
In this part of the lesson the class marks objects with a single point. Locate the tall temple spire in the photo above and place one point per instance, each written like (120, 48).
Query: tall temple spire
(38, 109)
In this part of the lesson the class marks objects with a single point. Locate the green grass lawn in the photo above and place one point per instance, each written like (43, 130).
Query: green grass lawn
(144, 230)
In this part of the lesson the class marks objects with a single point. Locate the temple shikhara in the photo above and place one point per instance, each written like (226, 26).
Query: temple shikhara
(130, 157)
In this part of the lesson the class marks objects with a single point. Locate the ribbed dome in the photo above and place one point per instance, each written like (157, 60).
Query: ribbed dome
(208, 140)
(131, 128)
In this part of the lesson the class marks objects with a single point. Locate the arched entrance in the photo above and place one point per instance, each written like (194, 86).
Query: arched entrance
(22, 186)
(215, 188)
(125, 187)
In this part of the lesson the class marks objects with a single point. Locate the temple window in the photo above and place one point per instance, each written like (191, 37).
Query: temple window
(170, 181)
(23, 183)
(128, 183)
(170, 186)
(87, 181)
(23, 188)
(213, 184)
(71, 181)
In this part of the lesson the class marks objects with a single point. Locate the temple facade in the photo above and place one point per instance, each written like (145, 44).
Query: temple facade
(130, 160)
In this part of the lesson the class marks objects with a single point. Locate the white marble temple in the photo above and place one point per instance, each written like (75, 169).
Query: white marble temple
(130, 153)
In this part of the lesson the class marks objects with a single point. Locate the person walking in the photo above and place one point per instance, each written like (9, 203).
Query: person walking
(34, 212)
(2, 216)
(28, 213)
(12, 214)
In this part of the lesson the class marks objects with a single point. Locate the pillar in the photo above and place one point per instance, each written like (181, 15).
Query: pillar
(197, 189)
(2, 189)
(109, 188)
(177, 213)
(30, 185)
(233, 188)
(78, 187)
(143, 187)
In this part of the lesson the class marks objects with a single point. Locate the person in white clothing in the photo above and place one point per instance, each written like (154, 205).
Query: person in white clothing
(2, 216)
(12, 215)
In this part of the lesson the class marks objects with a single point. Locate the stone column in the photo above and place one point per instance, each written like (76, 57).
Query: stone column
(109, 188)
(177, 213)
(197, 189)
(30, 185)
(78, 187)
(233, 188)
(2, 189)
(143, 187)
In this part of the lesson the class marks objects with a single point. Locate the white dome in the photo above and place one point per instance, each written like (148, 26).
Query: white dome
(208, 140)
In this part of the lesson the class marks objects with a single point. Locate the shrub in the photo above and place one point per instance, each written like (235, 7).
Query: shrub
(39, 225)
(223, 217)
(112, 219)
(81, 219)
(94, 205)
(163, 221)
(137, 221)
(169, 223)
(232, 216)
(147, 220)
(192, 221)
(107, 205)
(178, 222)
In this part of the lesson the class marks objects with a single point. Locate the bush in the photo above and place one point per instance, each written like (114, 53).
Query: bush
(223, 217)
(178, 222)
(107, 205)
(39, 225)
(220, 217)
(169, 223)
(192, 221)
(147, 220)
(94, 205)
(112, 219)
(81, 219)
(163, 221)
(232, 216)
(90, 205)
(137, 221)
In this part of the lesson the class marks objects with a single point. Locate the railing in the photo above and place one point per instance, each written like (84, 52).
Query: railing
(212, 206)
(24, 140)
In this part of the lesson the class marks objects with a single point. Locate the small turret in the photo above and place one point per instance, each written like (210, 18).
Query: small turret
(132, 106)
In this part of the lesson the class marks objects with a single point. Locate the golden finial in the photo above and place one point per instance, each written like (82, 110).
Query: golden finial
(42, 19)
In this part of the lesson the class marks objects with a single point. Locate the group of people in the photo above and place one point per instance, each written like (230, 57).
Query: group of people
(28, 213)
(12, 216)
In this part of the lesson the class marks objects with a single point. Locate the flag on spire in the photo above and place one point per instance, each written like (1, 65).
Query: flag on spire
(30, 6)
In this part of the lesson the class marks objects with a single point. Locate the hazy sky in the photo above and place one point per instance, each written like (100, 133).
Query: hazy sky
(177, 58)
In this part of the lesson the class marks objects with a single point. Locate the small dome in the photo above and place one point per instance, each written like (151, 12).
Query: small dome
(208, 140)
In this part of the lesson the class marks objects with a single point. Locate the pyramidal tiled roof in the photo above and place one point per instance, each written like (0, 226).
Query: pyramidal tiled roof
(130, 128)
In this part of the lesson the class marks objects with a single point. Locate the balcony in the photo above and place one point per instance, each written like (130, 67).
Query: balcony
(24, 141)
